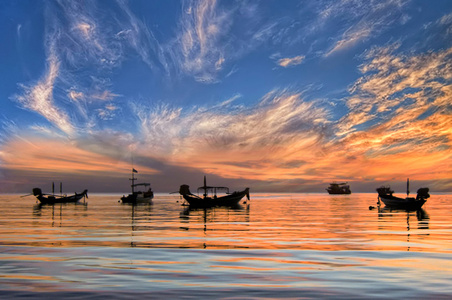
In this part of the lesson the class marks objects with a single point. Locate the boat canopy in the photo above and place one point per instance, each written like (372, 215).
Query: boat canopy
(144, 184)
(213, 189)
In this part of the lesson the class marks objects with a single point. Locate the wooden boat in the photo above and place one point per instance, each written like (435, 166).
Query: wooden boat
(338, 189)
(145, 196)
(62, 198)
(408, 203)
(230, 199)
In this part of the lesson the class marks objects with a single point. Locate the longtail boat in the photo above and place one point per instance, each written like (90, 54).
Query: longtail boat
(408, 203)
(55, 198)
(210, 198)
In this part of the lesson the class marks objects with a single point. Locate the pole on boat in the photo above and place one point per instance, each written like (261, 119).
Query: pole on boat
(53, 187)
(407, 186)
(61, 188)
(205, 187)
(133, 179)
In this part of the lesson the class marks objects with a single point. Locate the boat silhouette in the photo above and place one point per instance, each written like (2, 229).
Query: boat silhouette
(385, 194)
(55, 198)
(210, 198)
(138, 196)
(339, 189)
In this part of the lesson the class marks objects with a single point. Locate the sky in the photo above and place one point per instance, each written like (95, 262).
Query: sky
(278, 96)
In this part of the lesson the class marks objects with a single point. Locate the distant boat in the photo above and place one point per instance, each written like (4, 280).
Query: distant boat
(408, 203)
(212, 200)
(54, 198)
(138, 196)
(339, 188)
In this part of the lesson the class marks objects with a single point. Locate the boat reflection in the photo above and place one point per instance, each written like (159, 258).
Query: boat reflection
(65, 217)
(40, 208)
(421, 215)
(214, 221)
(394, 218)
(140, 214)
(139, 220)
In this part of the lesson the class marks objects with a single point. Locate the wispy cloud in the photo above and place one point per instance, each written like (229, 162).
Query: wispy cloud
(104, 96)
(291, 61)
(107, 112)
(85, 39)
(201, 28)
(141, 39)
(207, 42)
(391, 80)
(446, 21)
(359, 20)
(350, 39)
(77, 39)
(39, 97)
(399, 114)
(277, 131)
(19, 30)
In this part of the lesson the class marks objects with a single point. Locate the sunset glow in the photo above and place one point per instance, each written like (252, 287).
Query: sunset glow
(277, 96)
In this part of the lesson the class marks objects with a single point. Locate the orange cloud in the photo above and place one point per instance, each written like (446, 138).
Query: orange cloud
(59, 156)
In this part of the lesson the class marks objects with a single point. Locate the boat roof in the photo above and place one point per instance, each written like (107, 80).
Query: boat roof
(138, 184)
(213, 188)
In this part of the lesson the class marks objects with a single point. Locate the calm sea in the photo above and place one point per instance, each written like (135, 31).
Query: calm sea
(275, 246)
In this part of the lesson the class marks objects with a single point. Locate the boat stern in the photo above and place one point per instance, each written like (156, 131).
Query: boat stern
(37, 192)
(422, 193)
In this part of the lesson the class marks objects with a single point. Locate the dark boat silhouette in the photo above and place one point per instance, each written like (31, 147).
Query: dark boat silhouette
(209, 196)
(54, 198)
(145, 196)
(408, 203)
(339, 189)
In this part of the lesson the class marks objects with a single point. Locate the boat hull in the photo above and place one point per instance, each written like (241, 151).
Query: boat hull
(137, 198)
(339, 192)
(407, 203)
(339, 189)
(53, 200)
(229, 200)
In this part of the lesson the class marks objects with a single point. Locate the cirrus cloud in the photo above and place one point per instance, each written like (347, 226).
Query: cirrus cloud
(291, 61)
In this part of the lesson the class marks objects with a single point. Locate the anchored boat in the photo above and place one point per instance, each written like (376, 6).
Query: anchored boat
(138, 196)
(408, 203)
(339, 188)
(55, 198)
(210, 198)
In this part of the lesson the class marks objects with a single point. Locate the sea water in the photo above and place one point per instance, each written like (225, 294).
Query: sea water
(273, 246)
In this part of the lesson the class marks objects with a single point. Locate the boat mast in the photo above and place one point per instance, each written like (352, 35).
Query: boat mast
(205, 187)
(407, 186)
(133, 180)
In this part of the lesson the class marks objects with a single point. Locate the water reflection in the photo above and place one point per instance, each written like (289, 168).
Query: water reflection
(214, 222)
(140, 218)
(421, 216)
(274, 221)
(57, 209)
(284, 242)
(394, 218)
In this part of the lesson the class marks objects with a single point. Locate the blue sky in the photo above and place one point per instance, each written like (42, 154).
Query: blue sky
(275, 95)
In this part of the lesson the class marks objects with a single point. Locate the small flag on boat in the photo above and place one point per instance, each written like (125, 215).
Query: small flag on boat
(134, 171)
